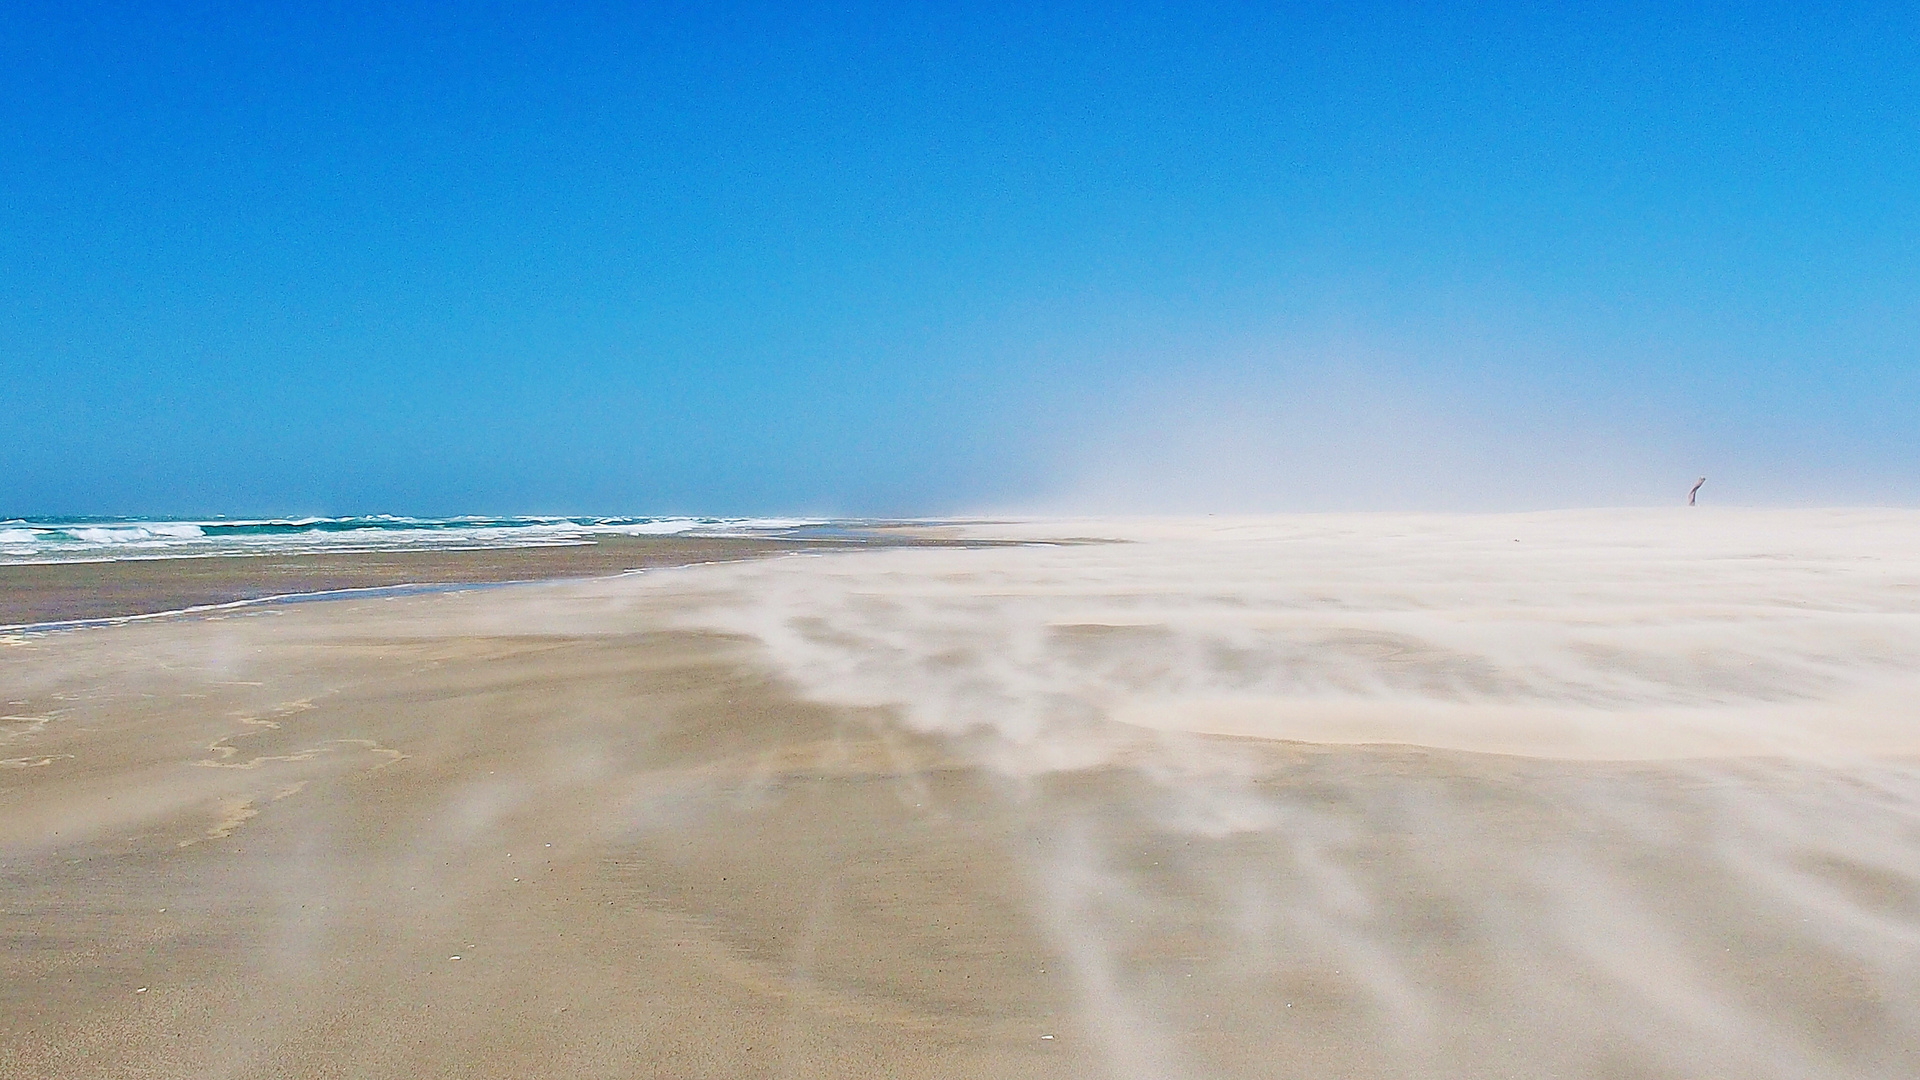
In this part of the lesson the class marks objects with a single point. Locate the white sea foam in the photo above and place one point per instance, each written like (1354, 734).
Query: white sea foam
(142, 533)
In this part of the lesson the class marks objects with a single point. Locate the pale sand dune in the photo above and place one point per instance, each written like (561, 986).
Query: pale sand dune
(904, 813)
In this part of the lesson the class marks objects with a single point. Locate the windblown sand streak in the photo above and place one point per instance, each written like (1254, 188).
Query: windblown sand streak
(1587, 794)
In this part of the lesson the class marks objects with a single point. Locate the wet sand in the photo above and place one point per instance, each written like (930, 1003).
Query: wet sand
(54, 592)
(552, 831)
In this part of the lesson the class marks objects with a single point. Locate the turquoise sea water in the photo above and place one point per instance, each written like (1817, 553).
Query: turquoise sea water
(53, 539)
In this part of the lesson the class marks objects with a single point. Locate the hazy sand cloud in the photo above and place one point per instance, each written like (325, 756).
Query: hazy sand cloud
(1585, 634)
(1689, 739)
(1264, 417)
(1347, 443)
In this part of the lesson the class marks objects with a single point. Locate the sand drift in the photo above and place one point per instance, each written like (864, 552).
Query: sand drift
(1625, 635)
(1750, 907)
(1577, 794)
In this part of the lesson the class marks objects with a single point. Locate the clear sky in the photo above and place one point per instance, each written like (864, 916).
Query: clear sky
(926, 259)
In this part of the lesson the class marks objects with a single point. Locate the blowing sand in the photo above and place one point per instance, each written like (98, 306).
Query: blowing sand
(1579, 795)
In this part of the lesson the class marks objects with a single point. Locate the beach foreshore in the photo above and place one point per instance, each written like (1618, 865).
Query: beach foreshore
(672, 824)
(54, 592)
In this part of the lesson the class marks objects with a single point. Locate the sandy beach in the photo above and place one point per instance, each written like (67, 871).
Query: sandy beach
(1627, 795)
(44, 592)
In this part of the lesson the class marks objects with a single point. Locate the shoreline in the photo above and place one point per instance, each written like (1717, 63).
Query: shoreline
(369, 592)
(51, 596)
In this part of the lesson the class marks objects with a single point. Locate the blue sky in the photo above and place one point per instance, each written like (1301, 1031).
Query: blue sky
(900, 259)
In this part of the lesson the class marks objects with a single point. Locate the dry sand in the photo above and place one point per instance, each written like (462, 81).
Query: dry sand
(935, 813)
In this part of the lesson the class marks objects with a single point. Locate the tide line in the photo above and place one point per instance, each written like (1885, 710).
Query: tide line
(364, 592)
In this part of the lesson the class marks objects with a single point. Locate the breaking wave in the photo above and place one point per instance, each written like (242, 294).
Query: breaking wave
(83, 539)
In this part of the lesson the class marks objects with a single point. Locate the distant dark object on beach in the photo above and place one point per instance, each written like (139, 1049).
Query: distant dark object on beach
(1695, 493)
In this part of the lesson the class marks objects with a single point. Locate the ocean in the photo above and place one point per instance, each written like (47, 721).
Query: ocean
(101, 539)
